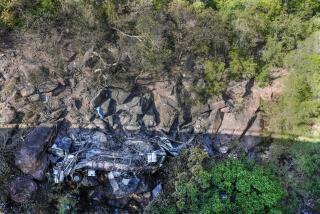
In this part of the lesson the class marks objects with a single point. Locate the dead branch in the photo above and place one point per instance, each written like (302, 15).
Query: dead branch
(128, 35)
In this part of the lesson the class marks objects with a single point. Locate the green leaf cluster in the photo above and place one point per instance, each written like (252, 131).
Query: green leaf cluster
(229, 186)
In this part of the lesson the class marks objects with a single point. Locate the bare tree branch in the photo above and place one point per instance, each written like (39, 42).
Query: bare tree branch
(128, 35)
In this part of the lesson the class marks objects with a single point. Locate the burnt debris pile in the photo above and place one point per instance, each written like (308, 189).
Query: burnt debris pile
(83, 152)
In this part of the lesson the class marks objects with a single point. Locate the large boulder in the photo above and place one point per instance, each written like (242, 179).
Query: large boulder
(237, 90)
(135, 111)
(119, 95)
(239, 119)
(209, 119)
(166, 104)
(32, 157)
(21, 189)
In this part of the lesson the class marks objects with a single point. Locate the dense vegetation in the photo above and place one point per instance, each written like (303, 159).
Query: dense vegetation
(280, 183)
(298, 109)
(218, 41)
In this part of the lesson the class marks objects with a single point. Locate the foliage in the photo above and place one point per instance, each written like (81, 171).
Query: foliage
(160, 4)
(242, 67)
(225, 187)
(67, 204)
(298, 109)
(46, 6)
(109, 9)
(297, 167)
(9, 12)
(214, 74)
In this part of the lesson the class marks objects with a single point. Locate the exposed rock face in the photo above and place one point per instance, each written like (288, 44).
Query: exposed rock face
(32, 157)
(7, 114)
(209, 121)
(166, 103)
(237, 90)
(21, 189)
(99, 98)
(236, 122)
(119, 95)
(48, 86)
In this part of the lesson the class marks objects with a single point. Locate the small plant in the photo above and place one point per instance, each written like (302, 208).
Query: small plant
(67, 204)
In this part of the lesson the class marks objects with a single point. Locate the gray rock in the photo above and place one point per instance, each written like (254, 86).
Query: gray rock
(34, 98)
(109, 107)
(48, 86)
(237, 90)
(223, 149)
(133, 106)
(208, 122)
(32, 158)
(7, 114)
(21, 189)
(129, 121)
(27, 91)
(235, 124)
(100, 97)
(57, 114)
(166, 105)
(100, 123)
(119, 95)
(149, 120)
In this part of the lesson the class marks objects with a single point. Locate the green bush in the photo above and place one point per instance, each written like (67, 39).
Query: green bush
(109, 9)
(242, 67)
(298, 108)
(296, 164)
(10, 11)
(214, 75)
(47, 6)
(229, 186)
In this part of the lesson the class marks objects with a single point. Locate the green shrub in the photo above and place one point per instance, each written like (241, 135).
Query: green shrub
(229, 186)
(10, 11)
(241, 66)
(109, 9)
(214, 75)
(67, 204)
(298, 107)
(160, 4)
(296, 164)
(47, 6)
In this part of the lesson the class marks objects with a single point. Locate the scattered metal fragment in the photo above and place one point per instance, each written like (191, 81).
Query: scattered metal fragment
(157, 190)
(91, 173)
(100, 112)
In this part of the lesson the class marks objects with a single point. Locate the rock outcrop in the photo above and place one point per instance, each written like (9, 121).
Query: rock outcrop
(32, 157)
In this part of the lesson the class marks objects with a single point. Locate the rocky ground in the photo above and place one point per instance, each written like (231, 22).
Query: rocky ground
(48, 82)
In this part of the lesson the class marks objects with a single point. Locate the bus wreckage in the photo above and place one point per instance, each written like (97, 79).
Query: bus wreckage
(77, 157)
